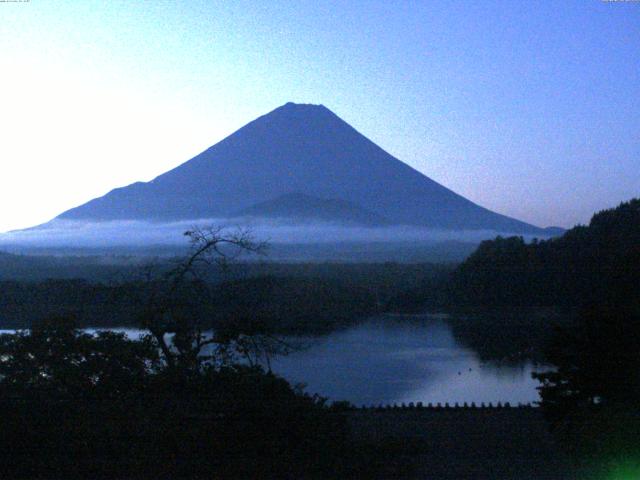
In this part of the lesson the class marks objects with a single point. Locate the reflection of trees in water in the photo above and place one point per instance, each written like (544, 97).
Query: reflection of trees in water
(362, 363)
(507, 337)
(390, 359)
(510, 370)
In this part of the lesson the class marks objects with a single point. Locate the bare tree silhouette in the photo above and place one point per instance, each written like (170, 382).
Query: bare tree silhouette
(182, 335)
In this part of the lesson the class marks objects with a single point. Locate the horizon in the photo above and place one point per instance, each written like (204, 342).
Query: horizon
(537, 121)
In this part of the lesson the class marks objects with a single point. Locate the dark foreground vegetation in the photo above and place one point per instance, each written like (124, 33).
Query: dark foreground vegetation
(464, 443)
(592, 396)
(82, 406)
(181, 402)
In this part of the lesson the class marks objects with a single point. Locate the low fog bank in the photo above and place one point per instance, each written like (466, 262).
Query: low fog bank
(73, 233)
(288, 241)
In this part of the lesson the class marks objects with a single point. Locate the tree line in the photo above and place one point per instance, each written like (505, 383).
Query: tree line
(592, 395)
(597, 263)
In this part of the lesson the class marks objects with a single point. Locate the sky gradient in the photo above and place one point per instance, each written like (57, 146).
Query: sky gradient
(530, 109)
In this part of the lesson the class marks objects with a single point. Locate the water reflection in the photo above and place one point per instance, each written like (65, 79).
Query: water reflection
(390, 359)
(395, 359)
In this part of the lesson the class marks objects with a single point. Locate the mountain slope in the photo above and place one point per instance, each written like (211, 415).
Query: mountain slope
(296, 148)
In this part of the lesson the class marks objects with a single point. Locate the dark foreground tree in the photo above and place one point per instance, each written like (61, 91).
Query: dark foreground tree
(56, 359)
(597, 362)
(82, 406)
(171, 309)
(592, 397)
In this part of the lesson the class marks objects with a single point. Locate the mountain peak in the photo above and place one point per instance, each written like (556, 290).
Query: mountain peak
(303, 106)
(303, 148)
(291, 109)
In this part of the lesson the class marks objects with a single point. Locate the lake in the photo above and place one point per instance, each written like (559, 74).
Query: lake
(401, 359)
(393, 360)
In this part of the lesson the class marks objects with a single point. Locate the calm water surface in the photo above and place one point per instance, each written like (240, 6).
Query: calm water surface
(391, 361)
(394, 359)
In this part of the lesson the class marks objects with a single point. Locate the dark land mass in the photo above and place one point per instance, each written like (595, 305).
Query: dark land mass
(591, 396)
(596, 263)
(289, 298)
(462, 443)
(90, 267)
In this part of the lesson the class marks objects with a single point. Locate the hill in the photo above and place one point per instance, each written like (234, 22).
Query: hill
(300, 207)
(598, 263)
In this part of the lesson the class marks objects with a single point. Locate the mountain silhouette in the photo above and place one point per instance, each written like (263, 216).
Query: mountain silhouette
(302, 149)
(300, 207)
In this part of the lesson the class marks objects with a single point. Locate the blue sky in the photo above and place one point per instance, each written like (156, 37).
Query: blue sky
(531, 109)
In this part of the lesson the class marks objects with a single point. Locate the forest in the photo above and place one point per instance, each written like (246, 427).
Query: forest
(596, 263)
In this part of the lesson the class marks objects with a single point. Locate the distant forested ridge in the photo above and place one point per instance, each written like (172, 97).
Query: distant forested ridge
(598, 263)
(292, 298)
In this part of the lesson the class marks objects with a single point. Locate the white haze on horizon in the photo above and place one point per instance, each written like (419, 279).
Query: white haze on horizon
(121, 233)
